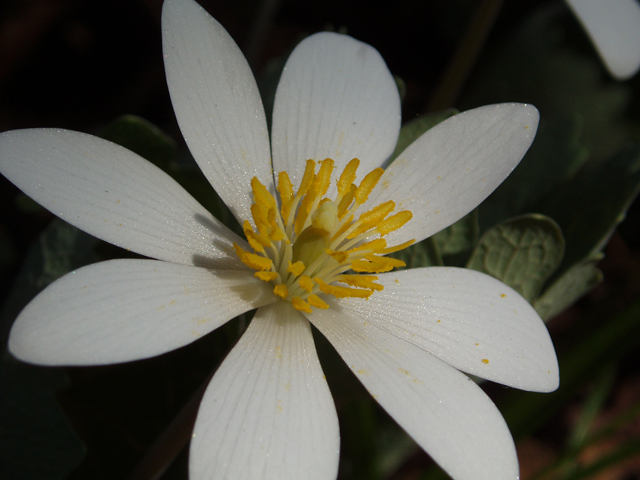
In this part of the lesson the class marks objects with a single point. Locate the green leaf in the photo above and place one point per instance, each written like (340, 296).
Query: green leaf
(37, 442)
(143, 138)
(522, 252)
(613, 338)
(590, 206)
(413, 129)
(456, 241)
(568, 288)
(554, 158)
(545, 63)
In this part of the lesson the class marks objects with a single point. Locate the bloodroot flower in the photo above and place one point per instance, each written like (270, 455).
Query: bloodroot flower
(319, 217)
(614, 29)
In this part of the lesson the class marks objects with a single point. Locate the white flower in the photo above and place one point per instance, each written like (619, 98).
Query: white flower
(268, 412)
(614, 29)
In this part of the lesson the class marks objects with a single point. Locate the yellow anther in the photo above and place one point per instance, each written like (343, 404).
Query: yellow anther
(374, 264)
(275, 232)
(306, 283)
(367, 185)
(342, 292)
(375, 246)
(252, 260)
(257, 241)
(304, 210)
(361, 281)
(266, 276)
(301, 305)
(397, 248)
(285, 189)
(306, 233)
(394, 222)
(346, 201)
(261, 194)
(307, 178)
(339, 256)
(281, 291)
(348, 176)
(296, 268)
(323, 178)
(316, 301)
(372, 218)
(261, 218)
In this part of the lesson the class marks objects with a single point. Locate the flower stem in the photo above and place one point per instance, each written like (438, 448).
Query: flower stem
(465, 57)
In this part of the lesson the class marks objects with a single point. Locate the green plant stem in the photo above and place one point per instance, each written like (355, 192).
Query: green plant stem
(465, 57)
(166, 448)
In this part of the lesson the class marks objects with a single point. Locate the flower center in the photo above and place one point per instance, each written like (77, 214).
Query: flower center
(312, 242)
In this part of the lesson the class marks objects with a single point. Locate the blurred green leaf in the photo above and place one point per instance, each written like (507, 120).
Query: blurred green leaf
(412, 130)
(522, 252)
(554, 158)
(545, 63)
(613, 338)
(603, 384)
(143, 138)
(456, 241)
(37, 442)
(568, 288)
(589, 207)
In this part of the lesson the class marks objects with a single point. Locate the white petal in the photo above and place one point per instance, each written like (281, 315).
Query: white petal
(454, 166)
(125, 310)
(336, 99)
(444, 411)
(614, 28)
(470, 320)
(268, 413)
(113, 194)
(217, 103)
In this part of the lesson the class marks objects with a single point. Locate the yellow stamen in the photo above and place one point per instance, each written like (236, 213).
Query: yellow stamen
(348, 176)
(394, 222)
(374, 264)
(372, 218)
(309, 235)
(281, 291)
(257, 241)
(261, 218)
(301, 305)
(261, 194)
(307, 178)
(315, 301)
(266, 276)
(346, 201)
(252, 260)
(339, 256)
(397, 248)
(367, 185)
(323, 179)
(361, 281)
(342, 292)
(374, 245)
(306, 283)
(296, 268)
